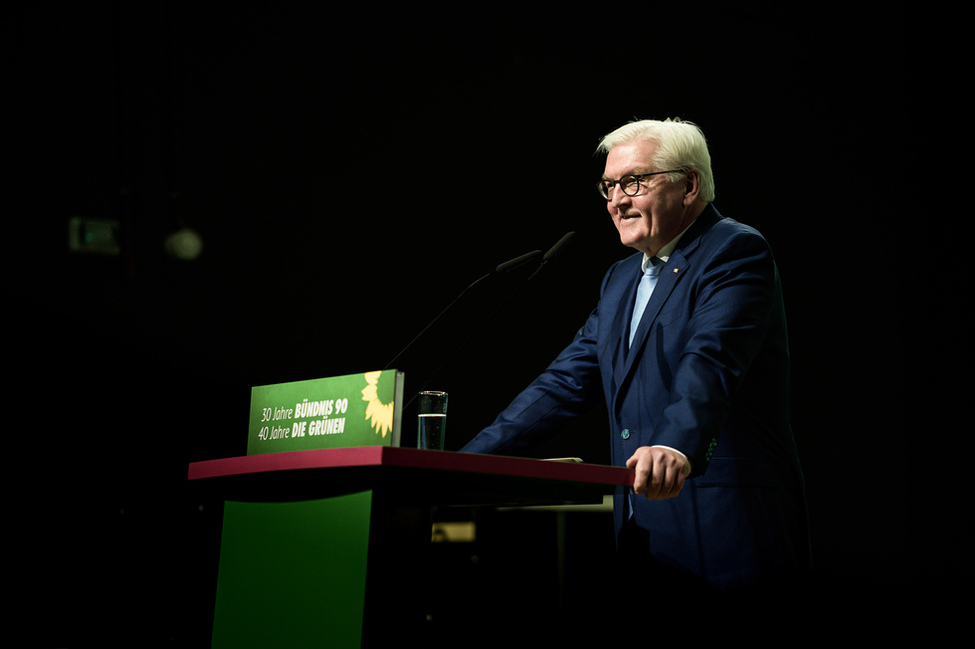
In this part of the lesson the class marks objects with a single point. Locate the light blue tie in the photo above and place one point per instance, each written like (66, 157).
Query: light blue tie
(643, 292)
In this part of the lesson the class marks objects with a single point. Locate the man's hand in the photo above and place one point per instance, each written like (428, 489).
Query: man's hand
(660, 472)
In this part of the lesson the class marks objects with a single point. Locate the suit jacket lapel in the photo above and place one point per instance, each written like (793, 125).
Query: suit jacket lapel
(674, 270)
(618, 332)
(671, 274)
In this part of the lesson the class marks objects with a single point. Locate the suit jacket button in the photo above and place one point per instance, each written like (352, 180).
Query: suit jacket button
(625, 433)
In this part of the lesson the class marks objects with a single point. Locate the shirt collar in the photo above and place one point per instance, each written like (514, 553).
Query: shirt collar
(664, 254)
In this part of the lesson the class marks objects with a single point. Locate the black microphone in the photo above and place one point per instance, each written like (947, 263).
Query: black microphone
(554, 250)
(508, 265)
(517, 262)
(503, 267)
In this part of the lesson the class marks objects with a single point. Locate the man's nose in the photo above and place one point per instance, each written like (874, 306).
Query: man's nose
(617, 196)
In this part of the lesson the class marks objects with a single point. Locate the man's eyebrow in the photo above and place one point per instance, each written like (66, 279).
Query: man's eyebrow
(636, 172)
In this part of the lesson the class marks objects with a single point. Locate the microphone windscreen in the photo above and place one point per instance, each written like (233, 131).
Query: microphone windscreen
(561, 243)
(517, 261)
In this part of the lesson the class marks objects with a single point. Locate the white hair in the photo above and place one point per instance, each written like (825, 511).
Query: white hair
(680, 145)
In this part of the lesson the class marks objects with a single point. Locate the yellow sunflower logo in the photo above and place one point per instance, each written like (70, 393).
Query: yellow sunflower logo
(379, 414)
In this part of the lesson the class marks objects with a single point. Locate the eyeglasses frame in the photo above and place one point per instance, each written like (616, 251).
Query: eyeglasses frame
(605, 186)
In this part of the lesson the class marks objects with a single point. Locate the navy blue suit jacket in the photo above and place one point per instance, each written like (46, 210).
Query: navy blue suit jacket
(707, 374)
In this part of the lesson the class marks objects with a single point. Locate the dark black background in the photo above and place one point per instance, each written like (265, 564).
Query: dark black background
(351, 170)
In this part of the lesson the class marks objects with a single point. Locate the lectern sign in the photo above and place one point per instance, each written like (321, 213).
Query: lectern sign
(340, 411)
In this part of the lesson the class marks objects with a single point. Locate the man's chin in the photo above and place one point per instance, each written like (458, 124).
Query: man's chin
(630, 241)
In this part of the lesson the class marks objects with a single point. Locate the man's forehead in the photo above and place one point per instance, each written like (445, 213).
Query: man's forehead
(630, 158)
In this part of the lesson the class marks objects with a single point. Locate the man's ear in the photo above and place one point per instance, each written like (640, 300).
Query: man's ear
(692, 186)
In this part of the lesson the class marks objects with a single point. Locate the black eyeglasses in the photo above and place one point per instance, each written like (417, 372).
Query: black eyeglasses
(630, 184)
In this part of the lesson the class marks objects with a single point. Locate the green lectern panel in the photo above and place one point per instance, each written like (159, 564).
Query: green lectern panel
(293, 574)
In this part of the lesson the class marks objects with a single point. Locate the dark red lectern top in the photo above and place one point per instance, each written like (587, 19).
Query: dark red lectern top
(439, 478)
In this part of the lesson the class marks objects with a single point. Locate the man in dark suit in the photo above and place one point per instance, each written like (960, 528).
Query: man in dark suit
(688, 345)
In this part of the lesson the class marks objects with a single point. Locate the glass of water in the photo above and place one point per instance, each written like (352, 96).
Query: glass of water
(432, 420)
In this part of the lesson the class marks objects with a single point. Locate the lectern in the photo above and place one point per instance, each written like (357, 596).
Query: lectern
(328, 547)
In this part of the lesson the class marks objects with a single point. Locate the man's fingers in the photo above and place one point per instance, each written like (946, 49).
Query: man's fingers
(659, 473)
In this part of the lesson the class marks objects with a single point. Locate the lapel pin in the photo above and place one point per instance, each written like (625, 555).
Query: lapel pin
(676, 269)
